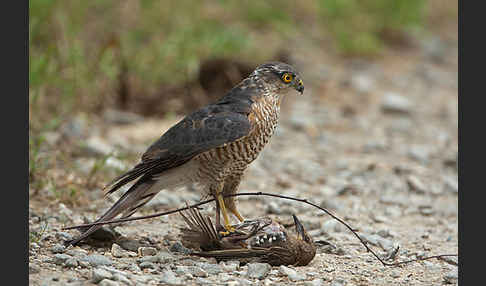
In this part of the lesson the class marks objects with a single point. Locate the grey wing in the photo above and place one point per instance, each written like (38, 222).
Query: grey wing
(199, 132)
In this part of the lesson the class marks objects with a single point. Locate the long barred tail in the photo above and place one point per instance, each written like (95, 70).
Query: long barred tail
(137, 196)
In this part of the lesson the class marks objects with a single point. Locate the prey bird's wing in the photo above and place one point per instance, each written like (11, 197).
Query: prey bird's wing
(210, 127)
(275, 255)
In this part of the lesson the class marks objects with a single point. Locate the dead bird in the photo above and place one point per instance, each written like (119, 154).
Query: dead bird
(257, 240)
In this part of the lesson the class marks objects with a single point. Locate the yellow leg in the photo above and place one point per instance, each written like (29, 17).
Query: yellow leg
(227, 224)
(237, 214)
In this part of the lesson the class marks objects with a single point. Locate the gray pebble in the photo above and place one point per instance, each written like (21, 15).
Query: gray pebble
(147, 264)
(331, 226)
(416, 185)
(315, 282)
(118, 251)
(61, 235)
(291, 273)
(419, 153)
(223, 277)
(165, 257)
(211, 268)
(338, 282)
(395, 274)
(33, 268)
(98, 274)
(71, 262)
(97, 260)
(145, 251)
(168, 277)
(106, 282)
(203, 281)
(258, 270)
(60, 258)
(122, 278)
(451, 277)
(395, 103)
(57, 248)
(193, 270)
(77, 252)
(362, 83)
(178, 247)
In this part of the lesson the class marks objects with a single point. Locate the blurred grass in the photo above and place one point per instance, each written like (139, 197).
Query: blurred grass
(77, 49)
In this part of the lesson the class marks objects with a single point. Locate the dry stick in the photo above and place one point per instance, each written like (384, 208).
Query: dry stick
(271, 195)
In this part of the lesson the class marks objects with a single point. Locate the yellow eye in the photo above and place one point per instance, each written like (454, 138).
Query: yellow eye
(287, 77)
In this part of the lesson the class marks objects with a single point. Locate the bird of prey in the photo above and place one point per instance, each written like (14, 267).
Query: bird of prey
(258, 240)
(210, 148)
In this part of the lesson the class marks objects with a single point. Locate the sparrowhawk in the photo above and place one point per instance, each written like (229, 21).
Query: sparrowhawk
(210, 148)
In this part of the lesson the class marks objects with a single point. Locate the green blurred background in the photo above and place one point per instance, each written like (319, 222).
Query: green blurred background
(88, 56)
(80, 49)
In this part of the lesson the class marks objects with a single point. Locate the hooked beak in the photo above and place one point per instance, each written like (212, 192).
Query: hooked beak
(299, 86)
(299, 228)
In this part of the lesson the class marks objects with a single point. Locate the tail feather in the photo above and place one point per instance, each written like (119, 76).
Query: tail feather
(137, 196)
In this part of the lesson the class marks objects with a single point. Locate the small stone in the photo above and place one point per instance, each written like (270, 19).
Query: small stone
(58, 248)
(291, 273)
(33, 268)
(230, 266)
(451, 185)
(147, 264)
(395, 274)
(106, 282)
(331, 226)
(273, 208)
(426, 210)
(61, 235)
(193, 270)
(60, 259)
(223, 277)
(118, 251)
(130, 245)
(145, 251)
(419, 153)
(165, 257)
(122, 278)
(203, 281)
(416, 185)
(395, 103)
(213, 269)
(99, 274)
(258, 270)
(178, 247)
(168, 277)
(315, 282)
(71, 262)
(338, 282)
(64, 210)
(97, 260)
(451, 277)
(362, 83)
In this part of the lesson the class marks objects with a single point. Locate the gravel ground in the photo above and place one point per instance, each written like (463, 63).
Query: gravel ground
(373, 142)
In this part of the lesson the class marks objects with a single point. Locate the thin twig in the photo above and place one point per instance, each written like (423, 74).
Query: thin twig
(270, 195)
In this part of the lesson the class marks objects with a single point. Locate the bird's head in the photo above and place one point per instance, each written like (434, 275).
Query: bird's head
(279, 77)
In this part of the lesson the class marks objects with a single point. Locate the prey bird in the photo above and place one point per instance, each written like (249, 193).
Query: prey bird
(258, 240)
(210, 148)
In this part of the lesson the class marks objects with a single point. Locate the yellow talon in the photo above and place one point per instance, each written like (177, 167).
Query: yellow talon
(227, 225)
